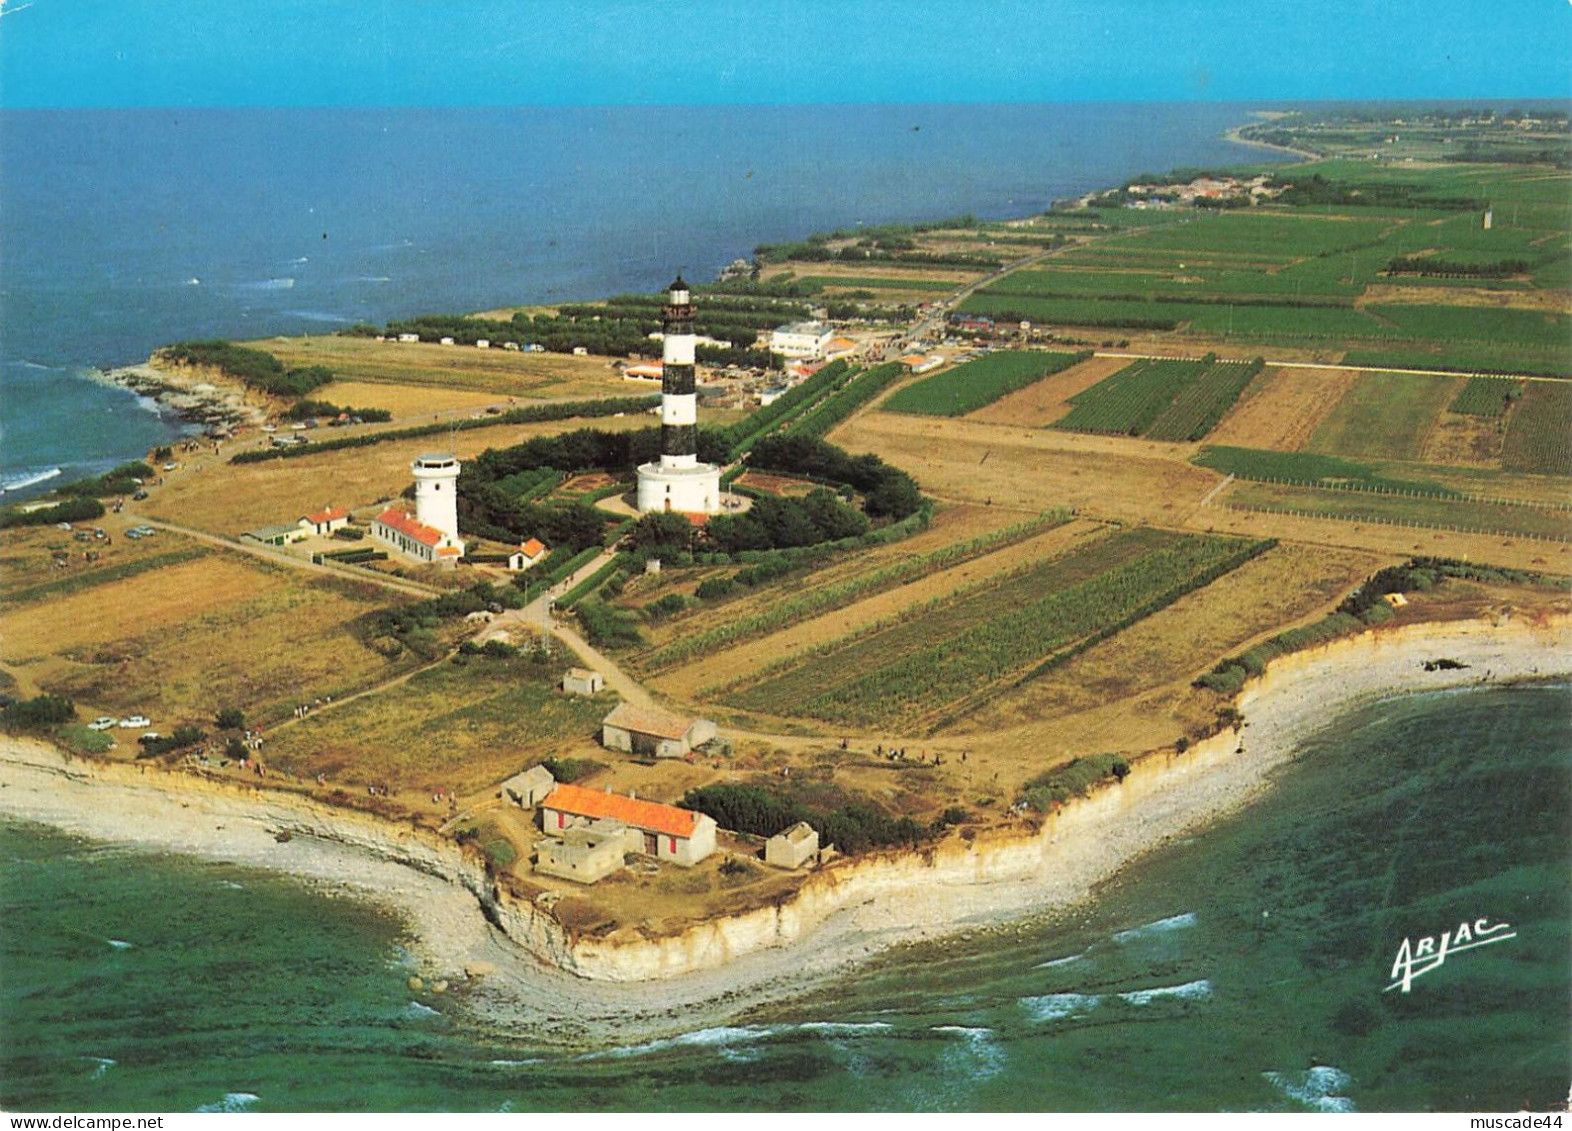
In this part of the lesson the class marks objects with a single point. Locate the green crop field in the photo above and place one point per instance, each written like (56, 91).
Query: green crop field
(1486, 396)
(1399, 510)
(1385, 416)
(872, 283)
(1478, 323)
(1200, 405)
(1287, 235)
(1164, 400)
(1539, 433)
(1132, 399)
(968, 387)
(945, 659)
(1308, 468)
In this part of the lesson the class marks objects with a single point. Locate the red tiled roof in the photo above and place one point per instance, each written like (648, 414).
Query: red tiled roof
(650, 815)
(532, 547)
(332, 514)
(406, 524)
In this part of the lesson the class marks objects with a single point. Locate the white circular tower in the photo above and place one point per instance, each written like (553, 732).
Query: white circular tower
(436, 492)
(679, 482)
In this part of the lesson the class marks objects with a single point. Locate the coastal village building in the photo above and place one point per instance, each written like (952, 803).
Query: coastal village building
(582, 681)
(650, 731)
(801, 340)
(678, 482)
(586, 853)
(414, 539)
(528, 554)
(793, 847)
(431, 534)
(666, 832)
(280, 535)
(529, 788)
(325, 521)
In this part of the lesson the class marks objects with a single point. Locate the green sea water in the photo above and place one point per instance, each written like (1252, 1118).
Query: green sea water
(1240, 969)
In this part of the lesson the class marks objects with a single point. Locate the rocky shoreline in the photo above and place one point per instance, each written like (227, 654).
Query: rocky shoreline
(516, 964)
(197, 396)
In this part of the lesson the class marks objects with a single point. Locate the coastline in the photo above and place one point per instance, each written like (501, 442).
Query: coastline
(524, 967)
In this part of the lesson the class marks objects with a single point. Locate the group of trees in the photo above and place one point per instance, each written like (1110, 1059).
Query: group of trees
(777, 523)
(888, 492)
(854, 826)
(79, 509)
(256, 368)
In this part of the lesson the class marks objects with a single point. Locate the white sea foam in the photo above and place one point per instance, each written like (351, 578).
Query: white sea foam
(373, 279)
(316, 316)
(515, 1063)
(101, 1064)
(193, 282)
(231, 884)
(120, 944)
(1065, 961)
(301, 259)
(718, 1037)
(27, 479)
(416, 1009)
(282, 284)
(1316, 1088)
(232, 1101)
(1199, 990)
(1055, 1007)
(964, 1030)
(1160, 927)
(843, 1028)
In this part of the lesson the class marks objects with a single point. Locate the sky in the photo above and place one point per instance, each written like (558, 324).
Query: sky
(692, 52)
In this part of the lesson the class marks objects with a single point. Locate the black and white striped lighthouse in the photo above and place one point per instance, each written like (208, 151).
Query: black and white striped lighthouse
(678, 481)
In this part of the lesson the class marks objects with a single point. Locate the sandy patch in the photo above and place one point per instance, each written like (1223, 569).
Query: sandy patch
(1045, 401)
(1282, 408)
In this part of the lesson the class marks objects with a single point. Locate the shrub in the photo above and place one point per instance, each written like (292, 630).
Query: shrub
(230, 718)
(38, 713)
(570, 769)
(72, 510)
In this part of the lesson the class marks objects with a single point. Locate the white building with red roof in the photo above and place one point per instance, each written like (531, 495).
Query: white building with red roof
(326, 520)
(528, 554)
(414, 539)
(668, 833)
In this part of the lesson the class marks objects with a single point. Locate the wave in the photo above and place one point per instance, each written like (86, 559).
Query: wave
(1199, 990)
(120, 944)
(193, 282)
(283, 284)
(372, 279)
(316, 316)
(1160, 927)
(1316, 1088)
(232, 1101)
(301, 259)
(842, 1028)
(416, 1009)
(1065, 961)
(101, 1064)
(27, 479)
(1056, 1007)
(514, 1063)
(717, 1037)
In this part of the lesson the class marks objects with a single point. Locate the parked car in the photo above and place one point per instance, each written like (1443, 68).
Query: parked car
(139, 496)
(103, 722)
(171, 467)
(132, 721)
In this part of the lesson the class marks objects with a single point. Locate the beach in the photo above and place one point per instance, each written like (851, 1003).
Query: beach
(594, 989)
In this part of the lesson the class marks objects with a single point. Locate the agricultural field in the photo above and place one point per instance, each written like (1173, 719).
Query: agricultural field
(935, 664)
(1283, 408)
(1311, 469)
(1539, 434)
(975, 384)
(1438, 513)
(1043, 402)
(214, 630)
(1486, 396)
(455, 726)
(1161, 399)
(1385, 416)
(1154, 660)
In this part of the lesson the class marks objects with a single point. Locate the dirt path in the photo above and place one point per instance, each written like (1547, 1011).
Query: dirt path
(281, 557)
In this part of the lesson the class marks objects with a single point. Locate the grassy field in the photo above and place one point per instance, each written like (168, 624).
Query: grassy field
(182, 640)
(935, 663)
(1399, 510)
(1539, 434)
(460, 727)
(493, 372)
(968, 387)
(1385, 416)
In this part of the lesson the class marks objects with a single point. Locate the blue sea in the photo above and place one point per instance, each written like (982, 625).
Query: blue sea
(128, 229)
(1244, 968)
